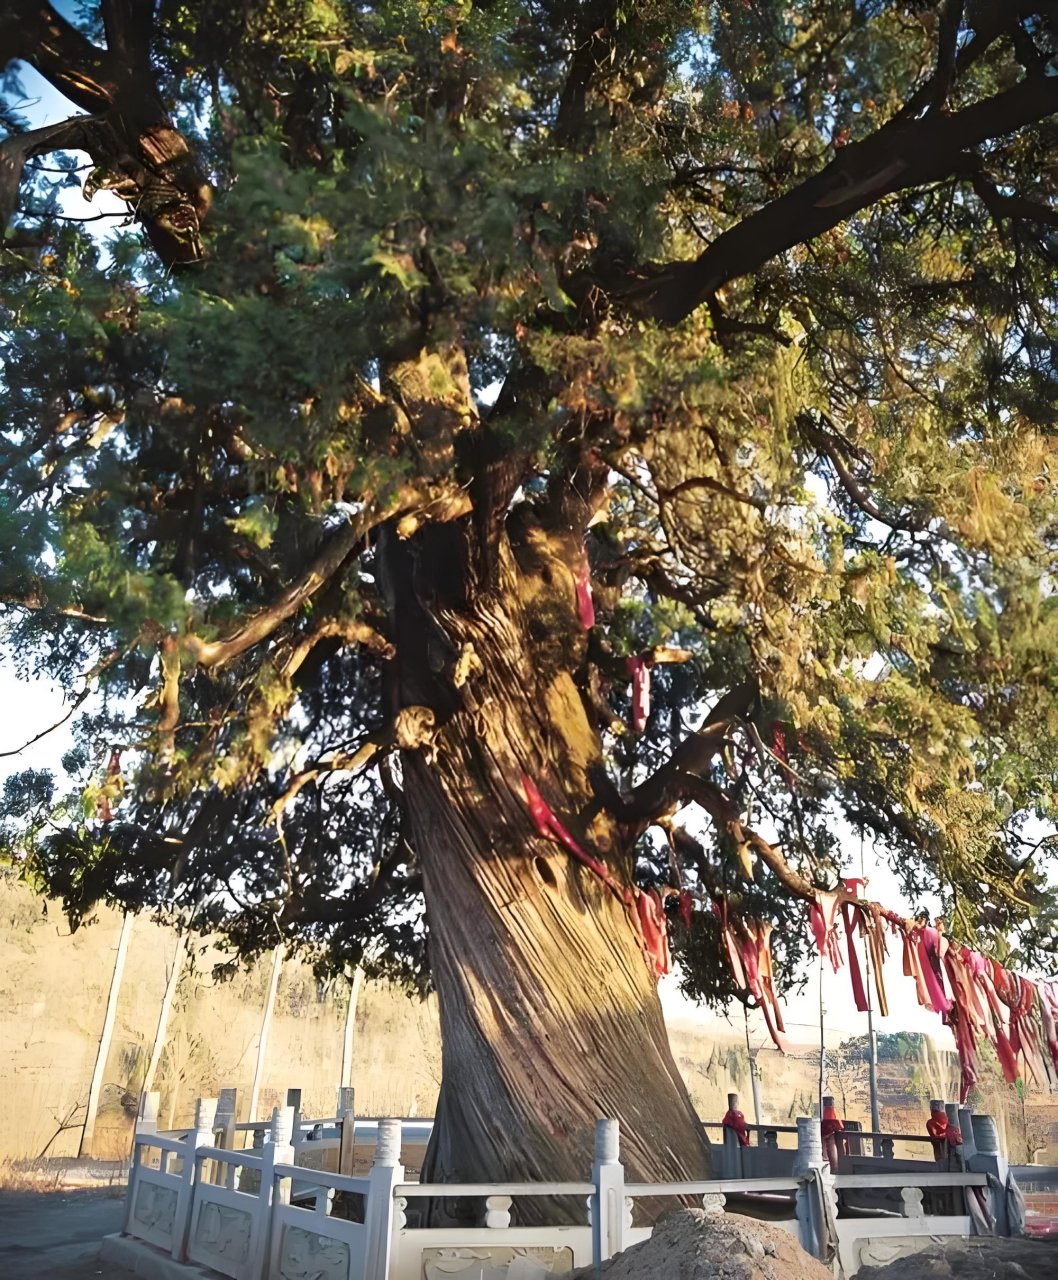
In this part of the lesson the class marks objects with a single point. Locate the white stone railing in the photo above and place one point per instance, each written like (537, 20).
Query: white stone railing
(235, 1211)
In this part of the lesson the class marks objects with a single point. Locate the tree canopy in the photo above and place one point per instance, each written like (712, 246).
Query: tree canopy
(743, 313)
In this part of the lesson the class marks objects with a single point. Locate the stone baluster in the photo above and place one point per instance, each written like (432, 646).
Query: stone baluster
(607, 1203)
(384, 1211)
(989, 1158)
(347, 1127)
(498, 1212)
(969, 1149)
(808, 1167)
(201, 1135)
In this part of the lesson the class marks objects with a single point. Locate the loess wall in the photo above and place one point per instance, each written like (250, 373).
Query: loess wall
(53, 994)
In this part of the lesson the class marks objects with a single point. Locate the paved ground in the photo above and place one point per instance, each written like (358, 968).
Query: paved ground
(55, 1235)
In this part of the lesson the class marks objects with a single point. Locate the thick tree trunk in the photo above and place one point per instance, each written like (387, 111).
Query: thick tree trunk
(550, 1017)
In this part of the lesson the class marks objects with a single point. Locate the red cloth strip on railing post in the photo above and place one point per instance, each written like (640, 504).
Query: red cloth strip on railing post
(736, 1121)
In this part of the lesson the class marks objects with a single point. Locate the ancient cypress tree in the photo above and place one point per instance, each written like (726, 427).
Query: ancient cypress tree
(520, 458)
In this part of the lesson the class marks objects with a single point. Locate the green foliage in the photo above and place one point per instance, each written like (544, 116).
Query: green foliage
(838, 484)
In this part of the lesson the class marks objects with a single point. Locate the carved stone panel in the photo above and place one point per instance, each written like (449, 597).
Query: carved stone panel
(155, 1209)
(498, 1263)
(308, 1256)
(222, 1237)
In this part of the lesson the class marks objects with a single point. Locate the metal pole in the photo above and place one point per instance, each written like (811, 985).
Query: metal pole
(872, 1042)
(822, 1041)
(754, 1084)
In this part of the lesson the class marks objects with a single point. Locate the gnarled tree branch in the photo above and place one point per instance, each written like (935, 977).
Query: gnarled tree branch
(138, 152)
(440, 502)
(904, 153)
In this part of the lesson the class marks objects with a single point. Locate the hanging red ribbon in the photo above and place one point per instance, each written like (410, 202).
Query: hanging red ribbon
(653, 929)
(640, 673)
(851, 914)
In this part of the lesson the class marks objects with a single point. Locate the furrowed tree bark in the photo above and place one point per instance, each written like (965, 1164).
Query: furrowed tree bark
(550, 1016)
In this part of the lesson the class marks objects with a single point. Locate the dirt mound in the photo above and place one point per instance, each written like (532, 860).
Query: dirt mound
(694, 1245)
(980, 1258)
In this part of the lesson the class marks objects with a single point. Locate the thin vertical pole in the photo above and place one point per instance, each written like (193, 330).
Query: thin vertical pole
(753, 1083)
(163, 1013)
(266, 1023)
(872, 1041)
(106, 1034)
(822, 1042)
(350, 1027)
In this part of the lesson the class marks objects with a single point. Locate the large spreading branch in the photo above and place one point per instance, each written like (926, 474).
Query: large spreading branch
(439, 502)
(906, 153)
(138, 152)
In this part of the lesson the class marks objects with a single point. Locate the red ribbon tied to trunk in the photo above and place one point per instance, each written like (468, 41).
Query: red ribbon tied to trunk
(653, 928)
(549, 828)
(639, 670)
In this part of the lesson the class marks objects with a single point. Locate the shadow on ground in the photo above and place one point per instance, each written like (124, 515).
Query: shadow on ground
(55, 1235)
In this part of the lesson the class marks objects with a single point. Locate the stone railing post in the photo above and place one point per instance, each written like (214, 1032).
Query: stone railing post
(969, 1148)
(249, 1179)
(383, 1213)
(808, 1168)
(989, 1158)
(733, 1164)
(131, 1185)
(224, 1134)
(606, 1207)
(297, 1137)
(200, 1136)
(277, 1148)
(224, 1124)
(147, 1119)
(347, 1126)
